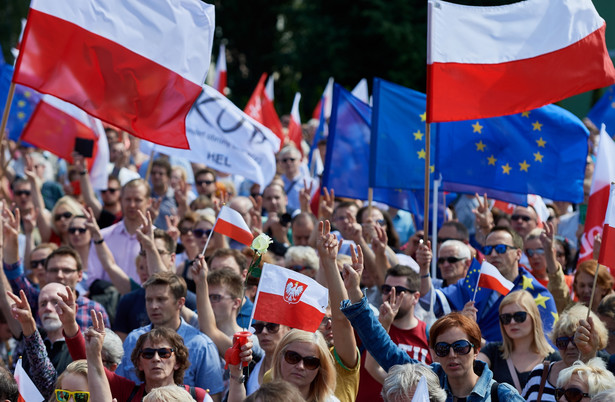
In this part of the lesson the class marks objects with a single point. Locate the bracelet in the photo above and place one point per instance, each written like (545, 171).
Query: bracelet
(240, 379)
(99, 241)
(425, 276)
(83, 172)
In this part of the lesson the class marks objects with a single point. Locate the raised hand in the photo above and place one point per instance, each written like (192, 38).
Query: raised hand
(145, 232)
(424, 256)
(199, 270)
(219, 202)
(352, 274)
(21, 311)
(469, 310)
(256, 214)
(326, 243)
(482, 213)
(305, 196)
(154, 208)
(11, 222)
(67, 311)
(95, 335)
(172, 230)
(29, 221)
(325, 204)
(91, 224)
(380, 240)
(390, 308)
(586, 339)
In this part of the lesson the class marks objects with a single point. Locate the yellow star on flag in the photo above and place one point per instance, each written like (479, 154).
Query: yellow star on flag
(537, 126)
(432, 168)
(527, 283)
(27, 94)
(21, 103)
(423, 116)
(480, 146)
(21, 115)
(555, 316)
(526, 114)
(538, 156)
(492, 160)
(540, 300)
(418, 136)
(421, 154)
(523, 166)
(506, 169)
(541, 143)
(477, 128)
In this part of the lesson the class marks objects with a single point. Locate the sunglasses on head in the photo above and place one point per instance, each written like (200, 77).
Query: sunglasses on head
(499, 248)
(35, 263)
(460, 347)
(534, 251)
(198, 233)
(163, 353)
(571, 394)
(77, 230)
(271, 327)
(19, 193)
(562, 342)
(518, 316)
(309, 362)
(65, 215)
(63, 395)
(386, 289)
(450, 260)
(109, 190)
(520, 217)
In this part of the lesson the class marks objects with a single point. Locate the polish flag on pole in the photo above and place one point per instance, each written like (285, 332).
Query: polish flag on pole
(327, 97)
(260, 108)
(604, 175)
(230, 223)
(289, 298)
(607, 248)
(494, 61)
(269, 92)
(119, 60)
(295, 133)
(55, 126)
(27, 390)
(220, 79)
(491, 278)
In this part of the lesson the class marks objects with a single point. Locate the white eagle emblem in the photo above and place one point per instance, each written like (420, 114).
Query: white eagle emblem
(293, 291)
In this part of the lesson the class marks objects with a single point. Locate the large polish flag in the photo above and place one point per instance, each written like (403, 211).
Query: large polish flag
(220, 78)
(289, 298)
(491, 278)
(230, 223)
(604, 175)
(55, 125)
(260, 108)
(499, 60)
(138, 65)
(295, 132)
(607, 248)
(27, 390)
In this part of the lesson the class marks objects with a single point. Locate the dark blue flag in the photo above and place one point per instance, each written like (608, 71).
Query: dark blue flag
(541, 152)
(320, 133)
(24, 102)
(604, 111)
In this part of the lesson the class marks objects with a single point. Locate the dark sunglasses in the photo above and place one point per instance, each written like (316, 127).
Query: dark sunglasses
(450, 260)
(562, 342)
(285, 160)
(534, 251)
(77, 230)
(309, 362)
(271, 327)
(461, 347)
(163, 353)
(206, 182)
(35, 263)
(198, 233)
(520, 217)
(63, 395)
(109, 190)
(518, 316)
(185, 231)
(571, 394)
(19, 193)
(499, 248)
(386, 289)
(65, 215)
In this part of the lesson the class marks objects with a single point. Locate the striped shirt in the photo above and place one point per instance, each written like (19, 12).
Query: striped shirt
(530, 392)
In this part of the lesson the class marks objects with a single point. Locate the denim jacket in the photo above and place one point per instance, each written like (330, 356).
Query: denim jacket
(387, 354)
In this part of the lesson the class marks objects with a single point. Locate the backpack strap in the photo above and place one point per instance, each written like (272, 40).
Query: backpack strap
(545, 373)
(133, 393)
(193, 393)
(494, 392)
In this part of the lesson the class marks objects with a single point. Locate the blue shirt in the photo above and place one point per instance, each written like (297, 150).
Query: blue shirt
(205, 370)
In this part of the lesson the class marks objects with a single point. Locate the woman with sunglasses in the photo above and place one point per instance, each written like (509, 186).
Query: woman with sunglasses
(571, 335)
(524, 344)
(583, 381)
(201, 231)
(61, 215)
(269, 336)
(72, 384)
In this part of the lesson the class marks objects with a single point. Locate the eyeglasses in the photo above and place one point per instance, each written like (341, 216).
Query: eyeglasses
(518, 316)
(571, 394)
(65, 215)
(163, 353)
(563, 341)
(216, 298)
(386, 289)
(57, 270)
(198, 233)
(185, 231)
(109, 190)
(461, 347)
(522, 217)
(286, 160)
(450, 260)
(35, 263)
(299, 268)
(206, 182)
(534, 251)
(161, 252)
(19, 193)
(326, 321)
(499, 248)
(309, 362)
(77, 230)
(271, 327)
(63, 395)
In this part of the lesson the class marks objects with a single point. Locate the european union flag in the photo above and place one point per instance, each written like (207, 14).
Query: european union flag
(542, 152)
(604, 110)
(22, 107)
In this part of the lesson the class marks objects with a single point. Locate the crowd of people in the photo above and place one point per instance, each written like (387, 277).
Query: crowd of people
(130, 294)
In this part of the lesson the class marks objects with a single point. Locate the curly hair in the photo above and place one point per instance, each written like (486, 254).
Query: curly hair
(176, 342)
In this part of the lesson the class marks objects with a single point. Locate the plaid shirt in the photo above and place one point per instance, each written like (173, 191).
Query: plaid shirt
(18, 281)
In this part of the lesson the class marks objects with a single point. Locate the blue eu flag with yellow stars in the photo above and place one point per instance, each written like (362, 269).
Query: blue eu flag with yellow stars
(541, 152)
(603, 112)
(22, 107)
(488, 301)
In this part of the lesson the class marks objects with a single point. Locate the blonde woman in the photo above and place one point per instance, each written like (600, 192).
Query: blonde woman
(72, 384)
(583, 381)
(524, 343)
(61, 216)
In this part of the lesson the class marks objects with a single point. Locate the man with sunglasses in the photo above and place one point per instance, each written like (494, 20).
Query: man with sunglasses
(523, 220)
(205, 182)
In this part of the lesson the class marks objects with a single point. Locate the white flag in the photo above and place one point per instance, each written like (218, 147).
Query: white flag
(27, 389)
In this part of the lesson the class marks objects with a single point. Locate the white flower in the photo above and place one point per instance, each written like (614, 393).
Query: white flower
(261, 243)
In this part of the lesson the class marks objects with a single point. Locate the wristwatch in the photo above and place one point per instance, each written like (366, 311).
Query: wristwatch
(241, 379)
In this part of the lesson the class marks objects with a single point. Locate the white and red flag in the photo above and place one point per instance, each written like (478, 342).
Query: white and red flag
(230, 223)
(55, 125)
(138, 65)
(289, 298)
(604, 175)
(220, 78)
(295, 133)
(327, 97)
(27, 390)
(260, 108)
(500, 60)
(491, 278)
(607, 248)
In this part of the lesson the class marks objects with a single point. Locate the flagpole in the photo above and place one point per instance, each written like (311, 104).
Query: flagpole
(477, 282)
(434, 226)
(7, 109)
(209, 237)
(427, 162)
(370, 199)
(149, 166)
